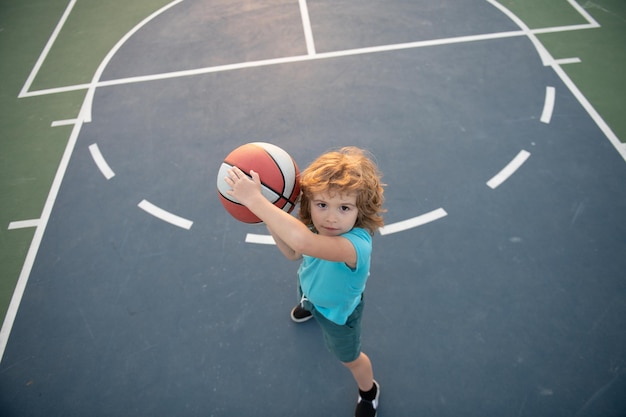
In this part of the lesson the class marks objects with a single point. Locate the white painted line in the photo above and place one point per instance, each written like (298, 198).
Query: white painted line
(508, 170)
(166, 216)
(260, 239)
(46, 49)
(67, 122)
(55, 90)
(308, 32)
(387, 230)
(557, 29)
(266, 62)
(23, 224)
(565, 61)
(100, 162)
(608, 132)
(584, 13)
(301, 58)
(545, 56)
(95, 83)
(86, 115)
(29, 261)
(413, 222)
(548, 105)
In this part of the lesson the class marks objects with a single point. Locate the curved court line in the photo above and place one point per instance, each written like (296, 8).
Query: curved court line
(555, 64)
(386, 230)
(35, 243)
(102, 165)
(95, 83)
(164, 215)
(508, 170)
(300, 58)
(304, 58)
(545, 56)
(548, 105)
(85, 114)
(86, 110)
(413, 222)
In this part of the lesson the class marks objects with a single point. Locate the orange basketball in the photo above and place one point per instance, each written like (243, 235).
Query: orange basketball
(278, 172)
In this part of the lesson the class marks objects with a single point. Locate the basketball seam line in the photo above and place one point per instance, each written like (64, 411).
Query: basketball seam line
(280, 194)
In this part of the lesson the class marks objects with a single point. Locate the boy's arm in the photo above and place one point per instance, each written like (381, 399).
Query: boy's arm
(291, 231)
(289, 253)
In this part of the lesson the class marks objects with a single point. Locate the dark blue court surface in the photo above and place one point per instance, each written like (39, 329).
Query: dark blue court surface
(511, 303)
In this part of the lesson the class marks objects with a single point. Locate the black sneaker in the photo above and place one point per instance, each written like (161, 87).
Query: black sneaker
(299, 314)
(366, 408)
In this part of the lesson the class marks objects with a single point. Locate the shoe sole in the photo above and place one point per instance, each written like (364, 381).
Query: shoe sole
(297, 320)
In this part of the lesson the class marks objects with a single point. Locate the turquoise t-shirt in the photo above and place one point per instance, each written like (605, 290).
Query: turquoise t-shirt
(333, 287)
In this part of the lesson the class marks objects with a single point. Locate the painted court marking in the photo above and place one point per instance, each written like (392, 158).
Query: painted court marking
(413, 222)
(85, 114)
(164, 215)
(565, 61)
(260, 239)
(508, 170)
(100, 162)
(24, 224)
(66, 122)
(46, 50)
(306, 24)
(548, 105)
(386, 230)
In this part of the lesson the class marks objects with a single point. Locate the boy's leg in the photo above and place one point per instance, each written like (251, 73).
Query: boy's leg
(369, 391)
(362, 371)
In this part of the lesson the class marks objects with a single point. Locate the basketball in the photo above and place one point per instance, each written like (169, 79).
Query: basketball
(279, 178)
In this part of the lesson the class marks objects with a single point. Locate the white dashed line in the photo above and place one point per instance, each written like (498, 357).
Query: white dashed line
(548, 105)
(100, 162)
(413, 222)
(508, 170)
(387, 230)
(166, 216)
(260, 239)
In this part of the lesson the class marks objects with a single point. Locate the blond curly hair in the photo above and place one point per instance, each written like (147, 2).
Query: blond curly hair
(349, 169)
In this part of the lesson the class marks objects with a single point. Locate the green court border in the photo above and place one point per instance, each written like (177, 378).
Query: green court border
(30, 149)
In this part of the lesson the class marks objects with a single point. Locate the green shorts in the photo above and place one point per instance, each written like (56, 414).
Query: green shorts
(344, 341)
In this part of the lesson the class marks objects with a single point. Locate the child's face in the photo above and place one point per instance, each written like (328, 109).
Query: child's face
(333, 213)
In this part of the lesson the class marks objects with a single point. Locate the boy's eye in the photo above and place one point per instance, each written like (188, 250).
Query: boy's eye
(345, 208)
(321, 205)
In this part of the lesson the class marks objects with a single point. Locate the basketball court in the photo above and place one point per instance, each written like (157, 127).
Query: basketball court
(497, 285)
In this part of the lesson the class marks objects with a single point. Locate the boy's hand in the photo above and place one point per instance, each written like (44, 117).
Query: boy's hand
(244, 189)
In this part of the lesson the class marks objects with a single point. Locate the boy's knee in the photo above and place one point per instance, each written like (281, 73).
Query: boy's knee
(354, 363)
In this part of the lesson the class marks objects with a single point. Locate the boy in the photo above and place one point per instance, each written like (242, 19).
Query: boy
(340, 209)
